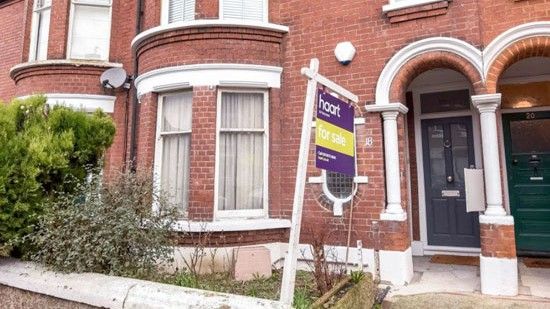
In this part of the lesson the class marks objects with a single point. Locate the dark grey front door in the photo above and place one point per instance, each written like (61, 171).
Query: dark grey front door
(447, 150)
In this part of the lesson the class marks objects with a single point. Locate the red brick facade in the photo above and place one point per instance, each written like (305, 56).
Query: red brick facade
(315, 27)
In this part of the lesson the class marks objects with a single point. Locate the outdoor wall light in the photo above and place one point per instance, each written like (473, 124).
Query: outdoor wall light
(344, 52)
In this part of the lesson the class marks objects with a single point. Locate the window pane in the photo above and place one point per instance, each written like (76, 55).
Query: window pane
(241, 182)
(177, 112)
(175, 169)
(242, 111)
(460, 151)
(445, 101)
(530, 136)
(339, 185)
(43, 25)
(181, 10)
(91, 31)
(243, 9)
(241, 154)
(437, 156)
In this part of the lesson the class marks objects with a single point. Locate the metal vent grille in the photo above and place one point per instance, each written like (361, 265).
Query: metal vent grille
(339, 185)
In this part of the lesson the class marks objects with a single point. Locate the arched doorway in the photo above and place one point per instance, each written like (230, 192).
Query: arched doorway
(525, 108)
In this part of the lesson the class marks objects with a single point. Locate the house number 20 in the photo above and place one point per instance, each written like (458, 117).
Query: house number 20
(529, 116)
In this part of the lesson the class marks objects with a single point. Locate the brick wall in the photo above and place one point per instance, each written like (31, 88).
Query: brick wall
(497, 241)
(12, 15)
(315, 29)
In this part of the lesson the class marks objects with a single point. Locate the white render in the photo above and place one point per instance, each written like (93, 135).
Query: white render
(117, 292)
(487, 104)
(210, 74)
(499, 276)
(396, 267)
(394, 211)
(451, 45)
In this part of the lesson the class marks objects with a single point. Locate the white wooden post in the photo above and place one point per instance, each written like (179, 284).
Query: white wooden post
(291, 260)
(289, 271)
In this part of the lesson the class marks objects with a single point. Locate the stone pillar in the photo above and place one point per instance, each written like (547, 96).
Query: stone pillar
(498, 261)
(395, 255)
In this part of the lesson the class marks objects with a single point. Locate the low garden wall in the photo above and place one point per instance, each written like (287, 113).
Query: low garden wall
(25, 284)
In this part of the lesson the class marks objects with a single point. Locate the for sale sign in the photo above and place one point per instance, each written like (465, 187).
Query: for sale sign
(334, 135)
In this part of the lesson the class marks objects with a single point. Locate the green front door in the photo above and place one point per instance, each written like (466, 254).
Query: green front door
(527, 144)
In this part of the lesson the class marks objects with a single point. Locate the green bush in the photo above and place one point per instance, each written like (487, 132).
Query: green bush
(108, 228)
(42, 151)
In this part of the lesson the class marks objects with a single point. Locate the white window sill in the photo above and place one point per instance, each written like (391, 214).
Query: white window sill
(234, 225)
(206, 23)
(406, 4)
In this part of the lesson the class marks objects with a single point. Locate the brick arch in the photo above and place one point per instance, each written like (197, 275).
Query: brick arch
(538, 46)
(433, 60)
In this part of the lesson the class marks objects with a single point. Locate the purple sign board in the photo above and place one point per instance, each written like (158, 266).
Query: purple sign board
(334, 135)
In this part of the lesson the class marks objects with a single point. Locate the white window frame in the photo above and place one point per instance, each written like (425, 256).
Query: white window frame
(242, 213)
(157, 165)
(265, 18)
(402, 4)
(71, 22)
(36, 12)
(164, 6)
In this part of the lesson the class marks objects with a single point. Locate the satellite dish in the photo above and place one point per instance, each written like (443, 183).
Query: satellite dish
(113, 78)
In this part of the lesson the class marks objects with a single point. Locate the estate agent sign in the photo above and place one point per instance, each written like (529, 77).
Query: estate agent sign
(334, 137)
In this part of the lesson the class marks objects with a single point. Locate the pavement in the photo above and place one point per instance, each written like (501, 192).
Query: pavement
(459, 286)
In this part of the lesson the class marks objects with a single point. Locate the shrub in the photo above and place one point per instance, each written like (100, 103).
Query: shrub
(42, 150)
(108, 228)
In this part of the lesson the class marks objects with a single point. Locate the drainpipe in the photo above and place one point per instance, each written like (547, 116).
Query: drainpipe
(135, 103)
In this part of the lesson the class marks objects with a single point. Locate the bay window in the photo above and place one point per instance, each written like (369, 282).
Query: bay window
(245, 10)
(173, 147)
(90, 30)
(242, 154)
(40, 29)
(177, 11)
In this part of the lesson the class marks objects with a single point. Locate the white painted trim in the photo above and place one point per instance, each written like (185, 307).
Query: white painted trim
(452, 45)
(498, 220)
(417, 248)
(85, 102)
(418, 117)
(398, 5)
(206, 23)
(390, 107)
(209, 74)
(396, 267)
(510, 36)
(68, 62)
(524, 79)
(231, 225)
(464, 251)
(385, 216)
(265, 13)
(525, 110)
(244, 213)
(499, 276)
(71, 20)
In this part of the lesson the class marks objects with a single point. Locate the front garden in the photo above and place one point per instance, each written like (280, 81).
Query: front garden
(58, 209)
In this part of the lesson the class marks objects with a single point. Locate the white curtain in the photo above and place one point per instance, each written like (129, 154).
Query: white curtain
(91, 31)
(241, 173)
(176, 145)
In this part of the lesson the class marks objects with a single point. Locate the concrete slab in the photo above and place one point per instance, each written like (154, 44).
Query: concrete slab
(442, 278)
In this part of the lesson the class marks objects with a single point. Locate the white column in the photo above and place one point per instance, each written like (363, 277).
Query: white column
(487, 105)
(390, 112)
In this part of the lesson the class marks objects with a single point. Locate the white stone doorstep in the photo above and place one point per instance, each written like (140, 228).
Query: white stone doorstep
(117, 292)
